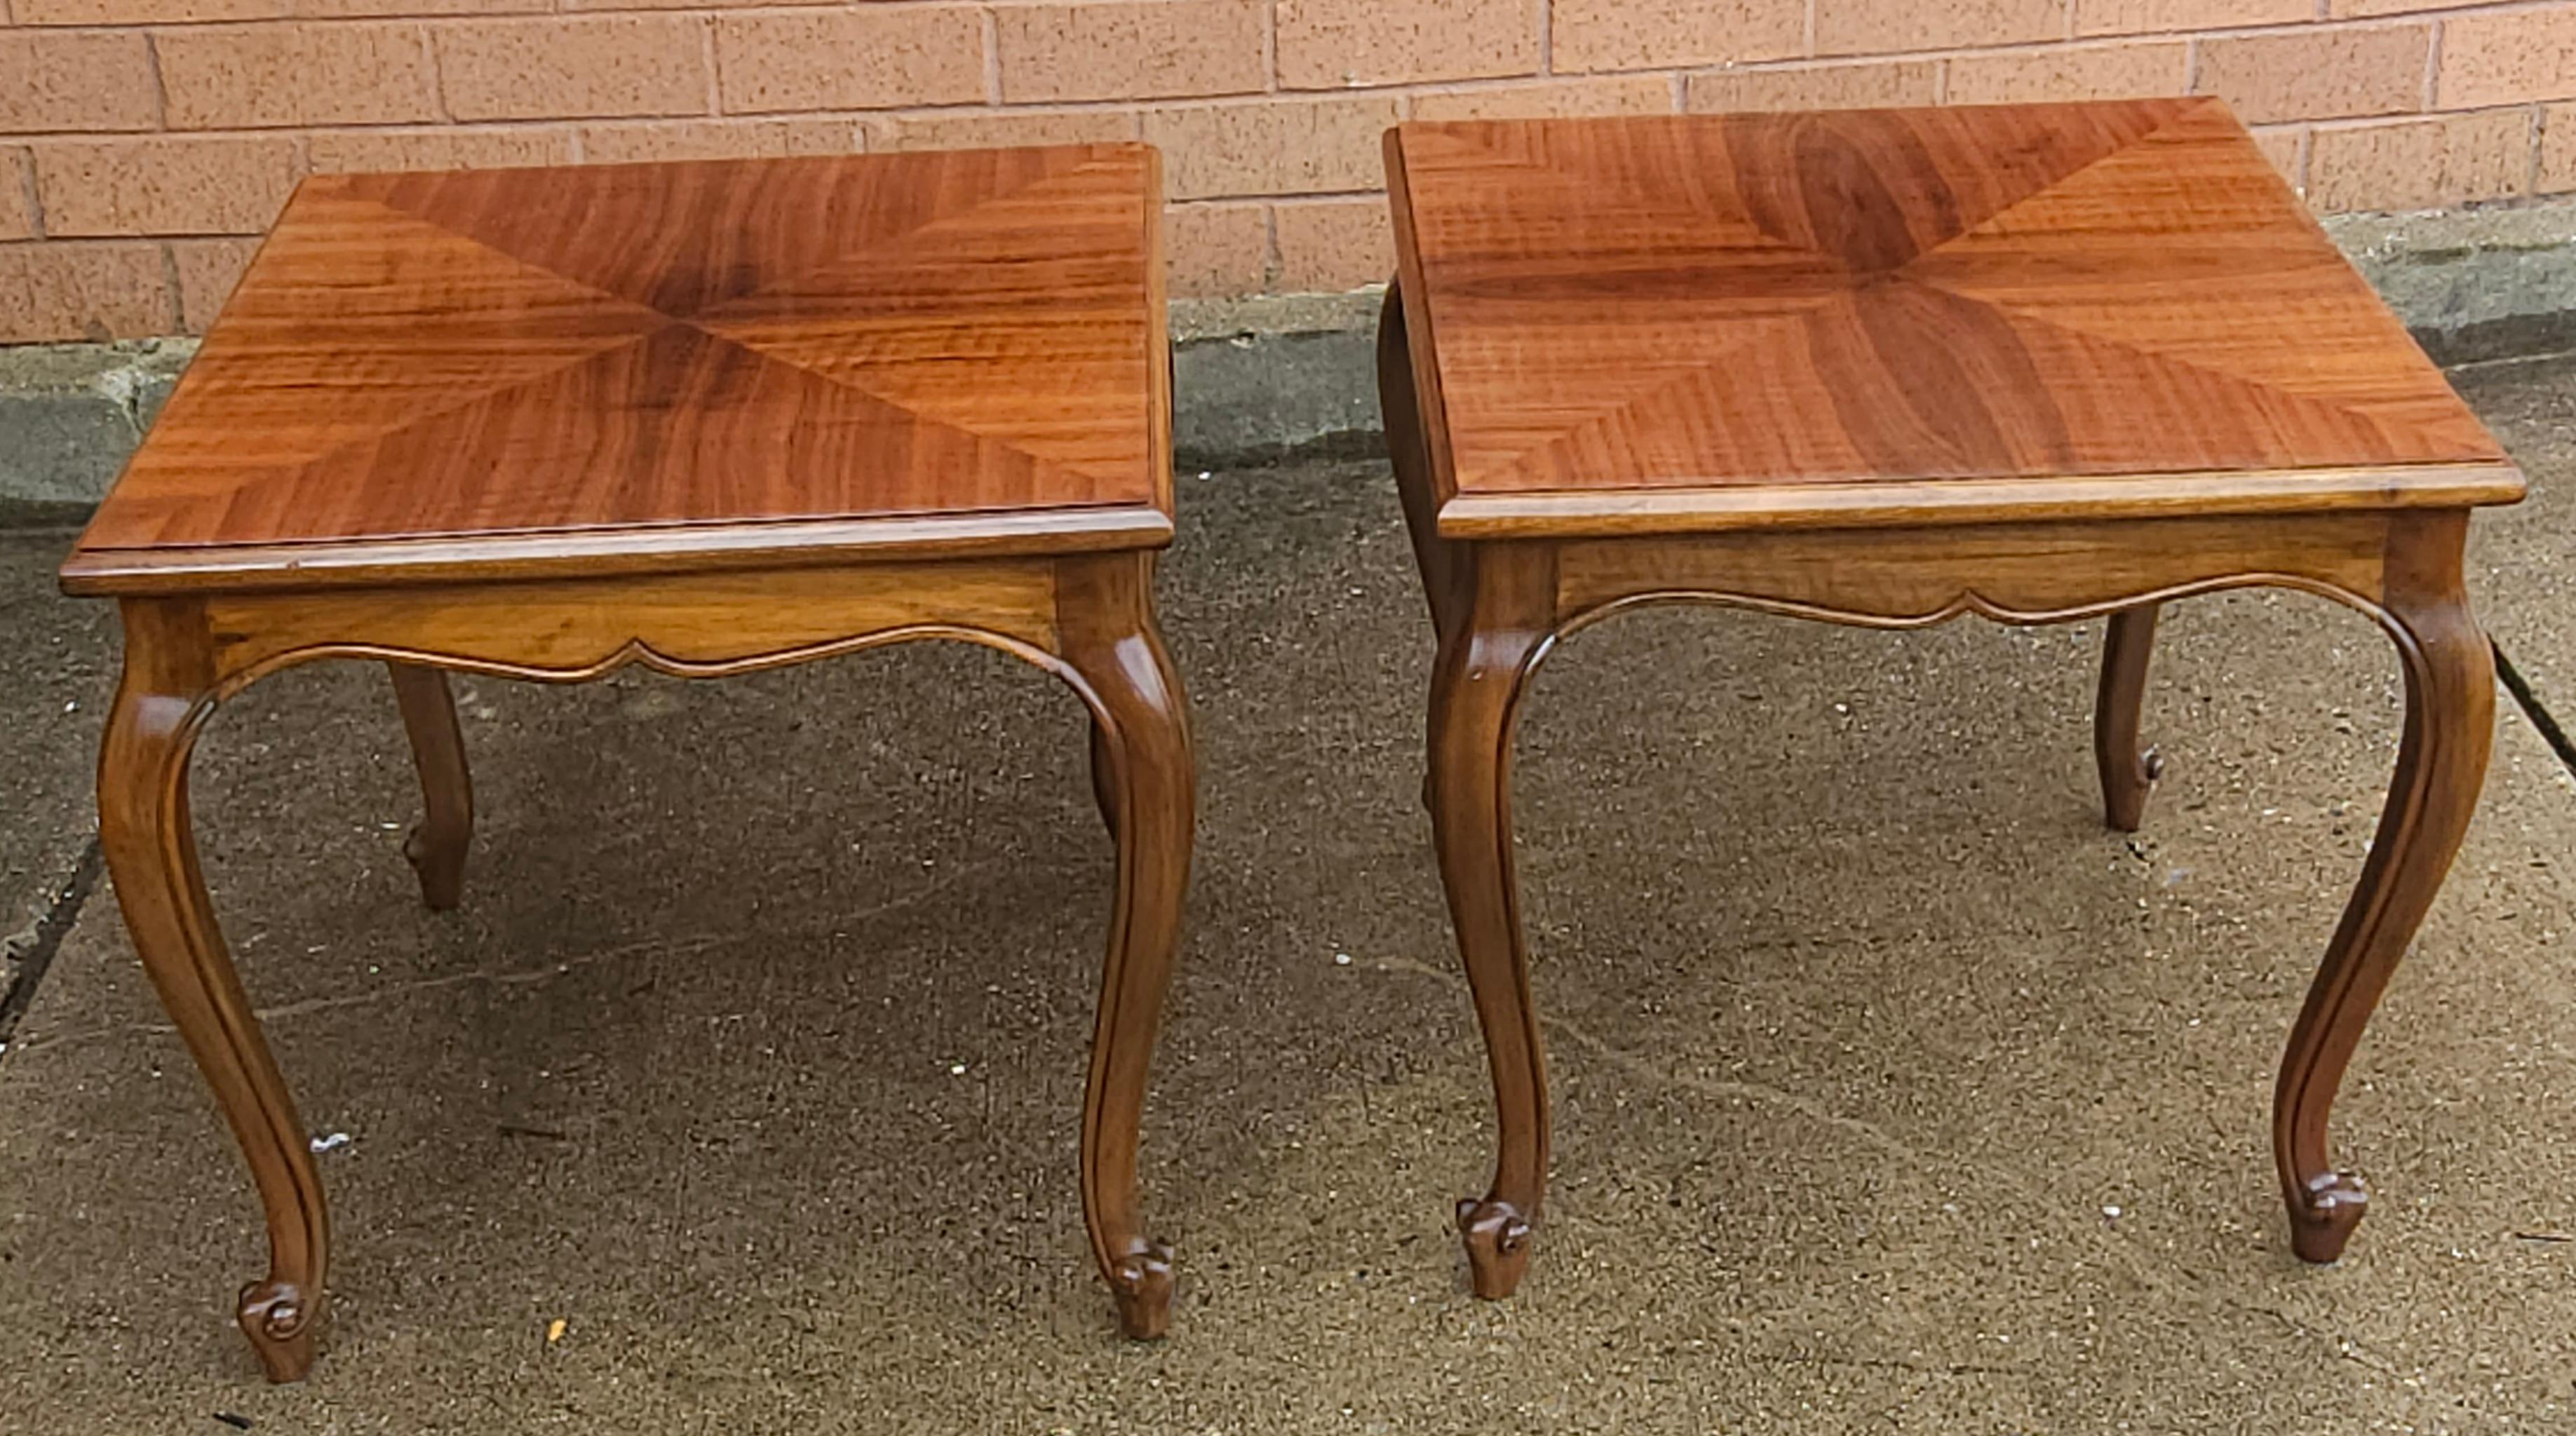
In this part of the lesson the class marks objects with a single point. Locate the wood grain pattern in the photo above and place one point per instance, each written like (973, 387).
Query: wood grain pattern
(2114, 307)
(710, 418)
(1888, 368)
(431, 371)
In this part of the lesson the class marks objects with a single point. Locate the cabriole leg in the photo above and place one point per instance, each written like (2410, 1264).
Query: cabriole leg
(152, 856)
(2128, 770)
(1475, 689)
(1142, 751)
(2441, 764)
(437, 846)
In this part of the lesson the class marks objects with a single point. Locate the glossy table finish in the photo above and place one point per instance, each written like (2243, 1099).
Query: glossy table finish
(2039, 363)
(708, 417)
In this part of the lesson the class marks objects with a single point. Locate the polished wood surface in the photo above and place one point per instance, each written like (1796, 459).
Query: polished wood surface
(710, 419)
(1887, 369)
(1674, 324)
(541, 371)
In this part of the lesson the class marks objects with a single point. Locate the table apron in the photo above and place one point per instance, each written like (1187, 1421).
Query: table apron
(2015, 573)
(693, 625)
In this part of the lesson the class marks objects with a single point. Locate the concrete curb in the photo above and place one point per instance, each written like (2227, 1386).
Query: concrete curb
(1258, 380)
(69, 416)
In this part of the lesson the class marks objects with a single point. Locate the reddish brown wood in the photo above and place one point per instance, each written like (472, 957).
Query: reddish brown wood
(1104, 794)
(151, 848)
(914, 352)
(1112, 648)
(1685, 323)
(436, 848)
(708, 418)
(1500, 633)
(1885, 368)
(2128, 770)
(2441, 765)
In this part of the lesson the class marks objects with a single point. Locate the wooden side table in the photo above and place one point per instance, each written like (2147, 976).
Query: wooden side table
(709, 418)
(1883, 368)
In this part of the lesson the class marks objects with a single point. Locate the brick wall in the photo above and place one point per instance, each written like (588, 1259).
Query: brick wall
(143, 142)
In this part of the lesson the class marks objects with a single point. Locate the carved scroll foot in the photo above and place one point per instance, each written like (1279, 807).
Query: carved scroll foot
(2323, 1216)
(2441, 764)
(1141, 752)
(1497, 1238)
(436, 848)
(2127, 770)
(279, 1320)
(1142, 1285)
(1475, 691)
(145, 830)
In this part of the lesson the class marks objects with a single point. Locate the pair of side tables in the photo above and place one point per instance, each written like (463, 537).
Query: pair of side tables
(2039, 363)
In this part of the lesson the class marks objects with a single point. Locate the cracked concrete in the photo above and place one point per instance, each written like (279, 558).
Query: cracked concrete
(1892, 1091)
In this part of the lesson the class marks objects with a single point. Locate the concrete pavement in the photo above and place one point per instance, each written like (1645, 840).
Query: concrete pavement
(1894, 1093)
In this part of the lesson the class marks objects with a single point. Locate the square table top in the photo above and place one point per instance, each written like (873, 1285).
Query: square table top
(630, 368)
(1868, 317)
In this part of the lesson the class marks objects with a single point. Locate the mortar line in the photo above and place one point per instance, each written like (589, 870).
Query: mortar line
(990, 34)
(26, 163)
(2433, 65)
(53, 924)
(2538, 132)
(2541, 718)
(160, 87)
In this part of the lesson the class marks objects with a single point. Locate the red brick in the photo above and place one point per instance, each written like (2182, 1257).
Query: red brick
(2505, 58)
(1121, 51)
(74, 82)
(2421, 163)
(992, 128)
(557, 68)
(2348, 9)
(253, 76)
(2129, 17)
(2070, 72)
(1856, 85)
(716, 139)
(366, 9)
(143, 12)
(84, 290)
(1606, 95)
(850, 59)
(17, 196)
(200, 12)
(1329, 44)
(2321, 72)
(2558, 149)
(1267, 147)
(1873, 27)
(1332, 245)
(1216, 250)
(208, 269)
(448, 147)
(576, 5)
(1660, 34)
(163, 185)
